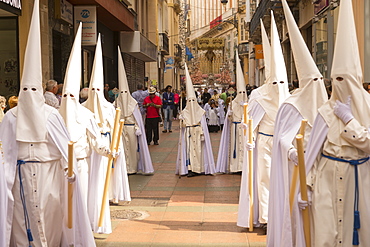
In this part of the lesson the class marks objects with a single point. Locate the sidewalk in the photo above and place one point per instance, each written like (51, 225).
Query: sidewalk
(168, 210)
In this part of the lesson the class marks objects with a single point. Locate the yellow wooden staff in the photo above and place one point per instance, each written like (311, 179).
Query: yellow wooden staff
(70, 186)
(250, 162)
(121, 123)
(113, 146)
(293, 185)
(303, 186)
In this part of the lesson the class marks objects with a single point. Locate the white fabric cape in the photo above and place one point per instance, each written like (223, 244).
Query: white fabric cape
(255, 112)
(279, 232)
(3, 199)
(209, 163)
(223, 151)
(80, 234)
(145, 161)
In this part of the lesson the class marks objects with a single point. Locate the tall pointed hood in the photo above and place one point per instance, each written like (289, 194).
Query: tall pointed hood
(346, 75)
(266, 50)
(69, 107)
(96, 100)
(311, 86)
(31, 120)
(277, 91)
(241, 92)
(125, 101)
(192, 113)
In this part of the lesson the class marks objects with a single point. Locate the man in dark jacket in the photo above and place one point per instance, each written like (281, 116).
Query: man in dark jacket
(168, 106)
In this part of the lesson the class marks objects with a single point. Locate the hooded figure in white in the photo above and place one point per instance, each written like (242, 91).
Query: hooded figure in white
(80, 121)
(285, 227)
(263, 111)
(266, 57)
(104, 113)
(133, 136)
(231, 151)
(195, 151)
(338, 150)
(35, 143)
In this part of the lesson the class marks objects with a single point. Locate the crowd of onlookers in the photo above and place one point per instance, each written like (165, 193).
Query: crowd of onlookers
(214, 101)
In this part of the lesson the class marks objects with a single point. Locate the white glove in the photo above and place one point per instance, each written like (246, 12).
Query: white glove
(138, 132)
(117, 153)
(244, 126)
(70, 179)
(241, 103)
(303, 204)
(250, 146)
(293, 155)
(343, 111)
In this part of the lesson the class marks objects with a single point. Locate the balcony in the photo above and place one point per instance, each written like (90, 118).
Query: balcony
(261, 10)
(137, 45)
(164, 44)
(243, 48)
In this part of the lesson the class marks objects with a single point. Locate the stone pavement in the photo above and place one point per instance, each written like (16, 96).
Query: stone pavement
(168, 210)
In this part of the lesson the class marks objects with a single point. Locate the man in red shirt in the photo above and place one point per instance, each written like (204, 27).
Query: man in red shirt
(152, 103)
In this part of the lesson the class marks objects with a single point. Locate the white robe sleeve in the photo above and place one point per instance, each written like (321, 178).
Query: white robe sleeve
(357, 135)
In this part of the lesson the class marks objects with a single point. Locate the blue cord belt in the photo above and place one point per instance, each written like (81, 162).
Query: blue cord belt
(356, 219)
(265, 134)
(234, 154)
(110, 140)
(129, 124)
(23, 199)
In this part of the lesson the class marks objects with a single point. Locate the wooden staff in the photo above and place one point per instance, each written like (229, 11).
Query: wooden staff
(293, 185)
(250, 161)
(121, 123)
(303, 186)
(113, 145)
(70, 186)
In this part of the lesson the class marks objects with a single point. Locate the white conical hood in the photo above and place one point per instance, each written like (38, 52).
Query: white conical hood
(266, 50)
(192, 113)
(346, 75)
(96, 100)
(70, 106)
(31, 120)
(311, 86)
(241, 94)
(277, 85)
(125, 101)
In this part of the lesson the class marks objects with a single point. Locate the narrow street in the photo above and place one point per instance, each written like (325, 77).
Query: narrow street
(168, 210)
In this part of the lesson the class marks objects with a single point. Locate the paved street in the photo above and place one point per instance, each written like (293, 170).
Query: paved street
(168, 210)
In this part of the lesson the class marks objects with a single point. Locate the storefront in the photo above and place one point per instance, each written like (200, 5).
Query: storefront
(9, 52)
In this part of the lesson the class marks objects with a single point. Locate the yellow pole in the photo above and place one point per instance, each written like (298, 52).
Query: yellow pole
(293, 185)
(121, 123)
(302, 179)
(109, 168)
(70, 186)
(250, 161)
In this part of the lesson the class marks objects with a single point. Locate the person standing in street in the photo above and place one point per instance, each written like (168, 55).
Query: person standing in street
(168, 106)
(152, 103)
(50, 91)
(139, 95)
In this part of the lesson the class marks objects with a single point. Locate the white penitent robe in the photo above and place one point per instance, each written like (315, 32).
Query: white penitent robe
(190, 156)
(119, 186)
(231, 151)
(285, 229)
(260, 176)
(3, 199)
(333, 183)
(44, 187)
(136, 148)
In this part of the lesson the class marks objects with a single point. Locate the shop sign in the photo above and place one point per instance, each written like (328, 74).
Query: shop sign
(64, 11)
(86, 15)
(259, 51)
(13, 6)
(14, 3)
